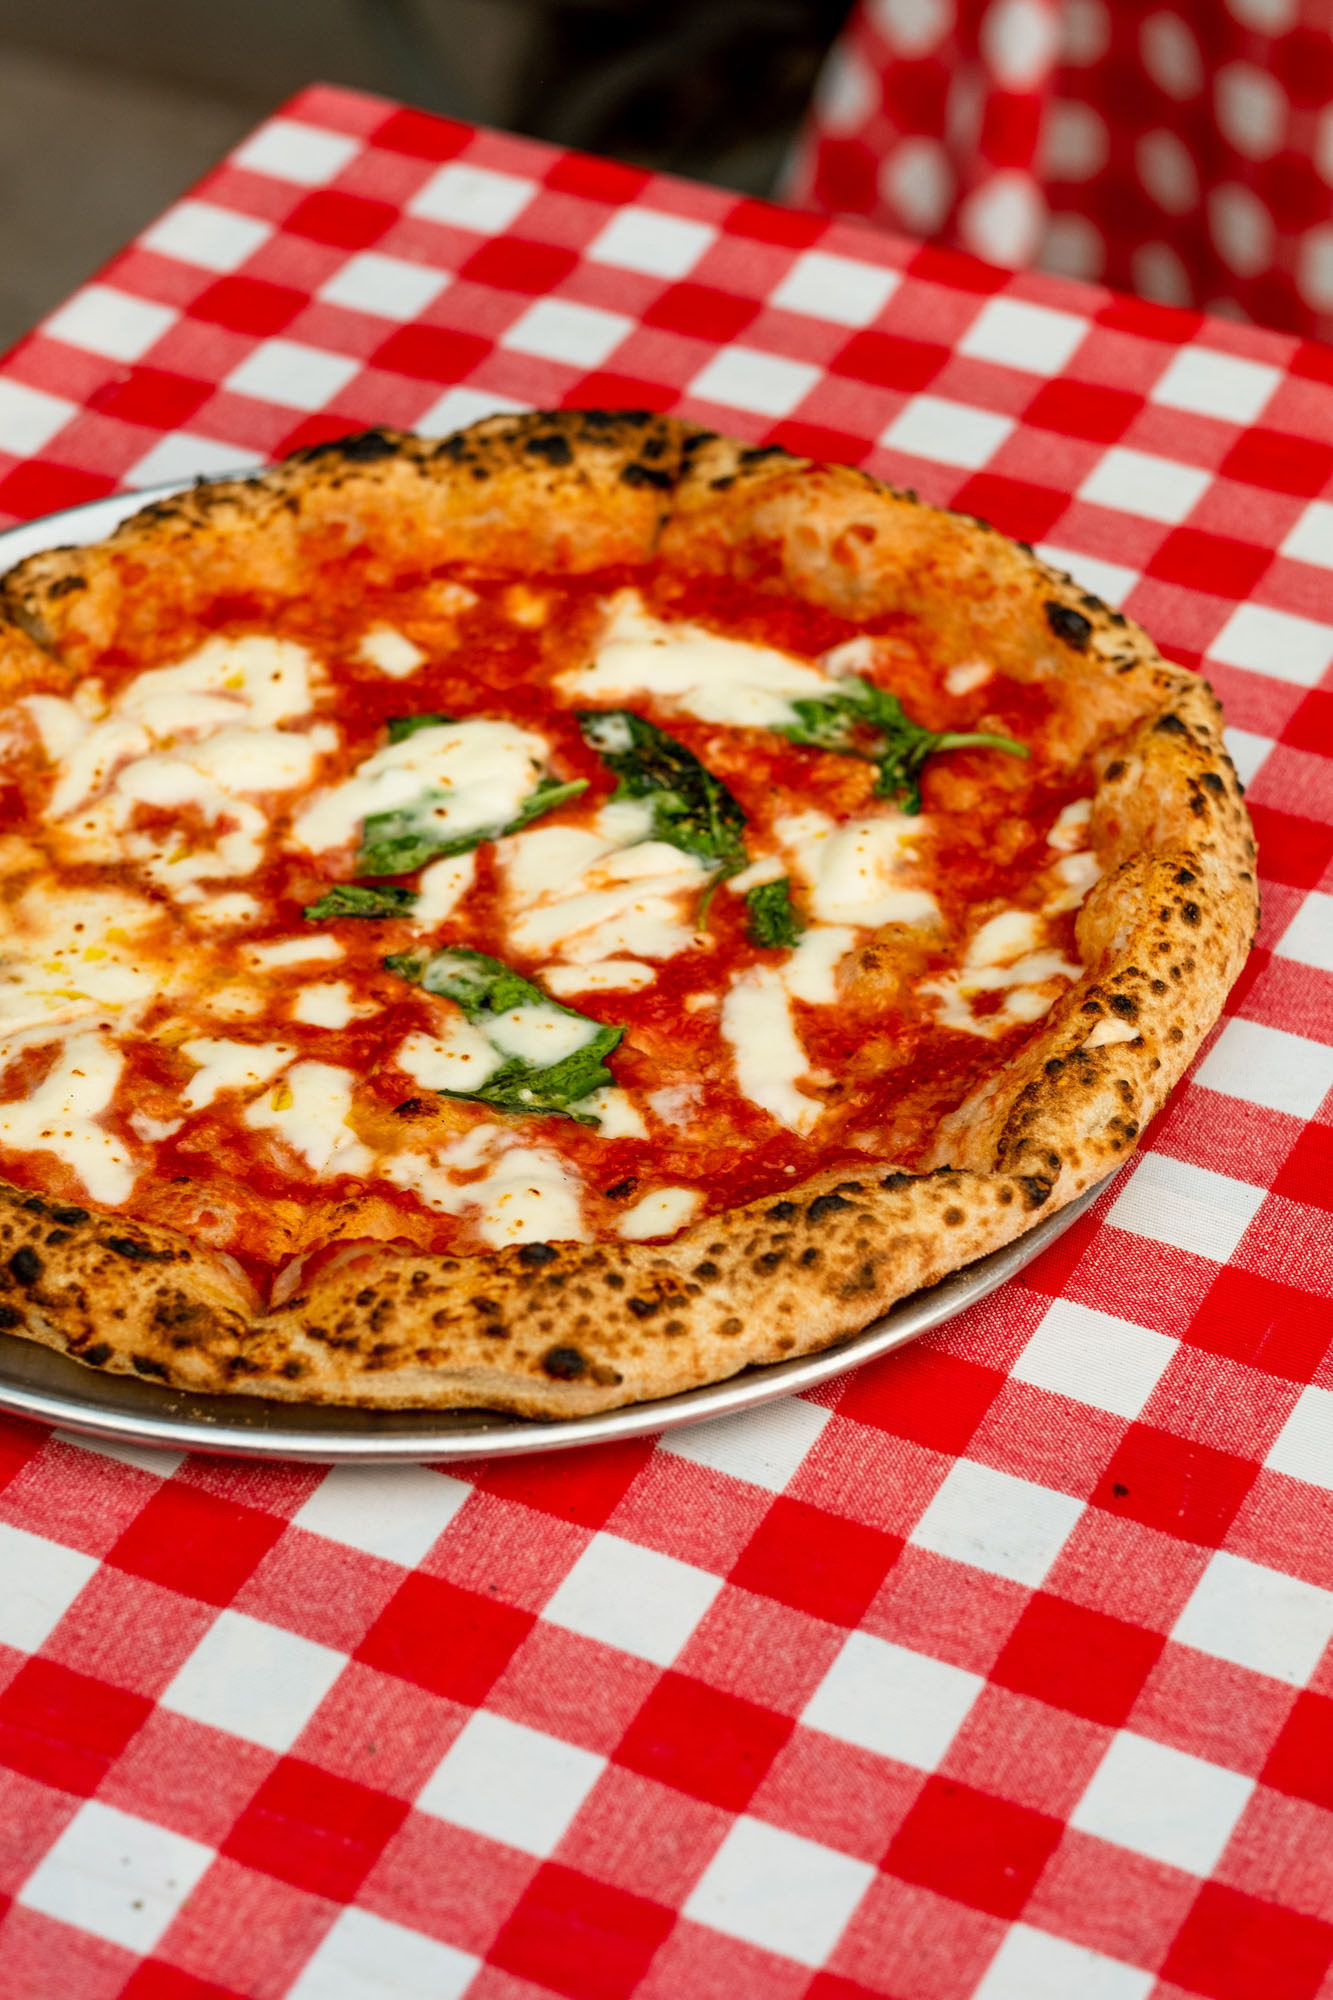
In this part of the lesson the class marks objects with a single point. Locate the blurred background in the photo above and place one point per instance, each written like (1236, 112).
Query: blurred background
(109, 108)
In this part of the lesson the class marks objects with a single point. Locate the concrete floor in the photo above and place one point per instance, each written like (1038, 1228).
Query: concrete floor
(86, 159)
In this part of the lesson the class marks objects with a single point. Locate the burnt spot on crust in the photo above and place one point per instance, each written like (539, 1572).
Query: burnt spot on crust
(644, 1308)
(359, 448)
(146, 1364)
(1171, 725)
(69, 1217)
(783, 1211)
(892, 1183)
(1213, 781)
(25, 1266)
(622, 1190)
(1190, 913)
(1068, 624)
(551, 446)
(636, 474)
(564, 1364)
(1037, 1192)
(825, 1204)
(98, 1354)
(1125, 1005)
(136, 1252)
(534, 1255)
(10, 1317)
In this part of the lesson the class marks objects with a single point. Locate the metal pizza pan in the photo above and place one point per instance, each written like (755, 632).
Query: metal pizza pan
(36, 1382)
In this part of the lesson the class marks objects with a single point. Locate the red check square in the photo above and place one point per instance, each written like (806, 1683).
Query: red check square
(582, 1487)
(1215, 563)
(935, 1399)
(890, 361)
(582, 1938)
(1293, 850)
(1083, 409)
(151, 396)
(816, 1562)
(196, 1542)
(1174, 1484)
(1233, 1947)
(701, 312)
(431, 353)
(66, 1728)
(1255, 1319)
(518, 266)
(346, 221)
(1077, 1659)
(249, 305)
(452, 1642)
(155, 1980)
(982, 1851)
(317, 1832)
(1022, 510)
(1277, 459)
(35, 488)
(1301, 1761)
(423, 135)
(710, 1744)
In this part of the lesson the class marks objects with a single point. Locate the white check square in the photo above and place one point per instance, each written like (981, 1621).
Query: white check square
(1268, 1066)
(1137, 482)
(1190, 1208)
(1247, 752)
(1092, 1357)
(952, 433)
(286, 150)
(1308, 938)
(119, 1877)
(253, 1680)
(29, 418)
(102, 320)
(561, 330)
(39, 1580)
(1033, 1965)
(1162, 1803)
(633, 1598)
(366, 1958)
(745, 378)
(779, 1891)
(511, 1783)
(1038, 339)
(996, 1522)
(836, 288)
(1296, 650)
(161, 1464)
(183, 455)
(284, 371)
(472, 198)
(766, 1446)
(1257, 1618)
(643, 239)
(897, 1703)
(1110, 581)
(1210, 384)
(397, 1512)
(459, 407)
(199, 232)
(1303, 1448)
(388, 287)
(1311, 539)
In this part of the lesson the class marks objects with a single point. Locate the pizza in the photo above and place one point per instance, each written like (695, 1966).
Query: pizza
(550, 917)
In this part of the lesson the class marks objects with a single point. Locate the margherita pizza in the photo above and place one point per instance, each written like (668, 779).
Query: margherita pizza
(550, 917)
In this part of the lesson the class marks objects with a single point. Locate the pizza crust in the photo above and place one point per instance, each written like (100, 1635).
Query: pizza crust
(565, 1329)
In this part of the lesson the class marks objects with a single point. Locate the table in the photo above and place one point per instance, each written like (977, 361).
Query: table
(1001, 1668)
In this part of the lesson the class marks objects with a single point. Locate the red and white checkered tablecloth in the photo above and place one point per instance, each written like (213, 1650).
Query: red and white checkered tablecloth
(1001, 1668)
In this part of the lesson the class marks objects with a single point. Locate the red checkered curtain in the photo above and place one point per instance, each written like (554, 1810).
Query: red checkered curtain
(1180, 150)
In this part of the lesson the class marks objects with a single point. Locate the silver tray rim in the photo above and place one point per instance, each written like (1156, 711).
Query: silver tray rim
(38, 1383)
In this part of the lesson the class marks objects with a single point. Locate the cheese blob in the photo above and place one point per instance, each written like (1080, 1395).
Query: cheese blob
(766, 1050)
(454, 780)
(856, 870)
(62, 1116)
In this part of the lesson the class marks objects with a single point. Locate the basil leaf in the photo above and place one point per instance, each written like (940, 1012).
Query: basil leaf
(484, 987)
(398, 843)
(862, 720)
(349, 899)
(773, 921)
(400, 727)
(691, 809)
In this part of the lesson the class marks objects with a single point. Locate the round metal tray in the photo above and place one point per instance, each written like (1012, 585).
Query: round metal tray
(36, 1382)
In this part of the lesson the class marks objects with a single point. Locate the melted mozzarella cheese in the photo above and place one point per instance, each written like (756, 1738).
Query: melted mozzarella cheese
(454, 780)
(967, 676)
(607, 975)
(529, 1195)
(616, 1113)
(810, 973)
(540, 1035)
(1031, 985)
(304, 949)
(329, 1004)
(441, 887)
(1109, 1031)
(855, 870)
(1004, 938)
(1075, 873)
(308, 1109)
(224, 1065)
(705, 675)
(766, 1050)
(72, 952)
(391, 651)
(587, 894)
(62, 1116)
(660, 1213)
(1070, 827)
(458, 1058)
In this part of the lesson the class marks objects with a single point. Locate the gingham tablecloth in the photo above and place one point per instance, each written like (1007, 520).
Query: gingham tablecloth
(1001, 1668)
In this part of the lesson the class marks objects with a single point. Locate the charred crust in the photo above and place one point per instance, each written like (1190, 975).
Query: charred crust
(138, 1252)
(535, 1255)
(552, 446)
(1036, 1192)
(1213, 781)
(637, 474)
(69, 1218)
(1068, 624)
(359, 448)
(10, 1317)
(784, 1211)
(564, 1364)
(892, 1183)
(1170, 725)
(97, 1355)
(825, 1204)
(644, 1308)
(147, 1364)
(25, 1266)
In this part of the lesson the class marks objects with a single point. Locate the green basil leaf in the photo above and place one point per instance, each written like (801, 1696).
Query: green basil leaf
(773, 922)
(862, 720)
(691, 809)
(400, 727)
(350, 899)
(485, 987)
(398, 843)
